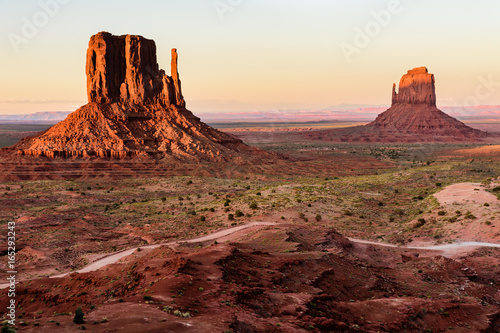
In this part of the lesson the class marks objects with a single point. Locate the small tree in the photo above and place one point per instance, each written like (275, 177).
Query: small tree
(78, 316)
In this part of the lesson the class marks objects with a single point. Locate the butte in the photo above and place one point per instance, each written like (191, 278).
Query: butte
(135, 123)
(412, 117)
(134, 108)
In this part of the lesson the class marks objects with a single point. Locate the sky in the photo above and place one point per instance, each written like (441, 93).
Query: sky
(255, 55)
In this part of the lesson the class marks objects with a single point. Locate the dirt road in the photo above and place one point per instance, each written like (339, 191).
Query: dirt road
(448, 250)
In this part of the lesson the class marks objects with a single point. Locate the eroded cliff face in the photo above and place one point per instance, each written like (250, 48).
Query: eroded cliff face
(417, 87)
(125, 69)
(133, 109)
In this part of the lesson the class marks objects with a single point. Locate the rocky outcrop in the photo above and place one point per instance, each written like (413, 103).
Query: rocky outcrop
(133, 109)
(417, 87)
(124, 69)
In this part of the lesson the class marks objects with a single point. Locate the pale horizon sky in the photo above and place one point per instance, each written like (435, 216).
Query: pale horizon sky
(253, 55)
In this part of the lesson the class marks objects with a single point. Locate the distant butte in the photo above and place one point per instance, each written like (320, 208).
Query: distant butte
(412, 117)
(134, 108)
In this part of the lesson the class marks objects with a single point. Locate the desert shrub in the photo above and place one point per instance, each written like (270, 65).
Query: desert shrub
(441, 213)
(469, 215)
(420, 222)
(282, 217)
(203, 218)
(437, 235)
(399, 211)
(227, 202)
(452, 219)
(259, 193)
(163, 199)
(380, 203)
(78, 319)
(239, 213)
(6, 328)
(147, 297)
(180, 198)
(230, 217)
(496, 189)
(487, 222)
(347, 212)
(318, 218)
(458, 213)
(438, 184)
(486, 204)
(189, 182)
(212, 210)
(253, 205)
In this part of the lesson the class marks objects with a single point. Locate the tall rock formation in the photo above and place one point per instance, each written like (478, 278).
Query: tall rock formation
(412, 117)
(124, 69)
(133, 108)
(413, 110)
(417, 87)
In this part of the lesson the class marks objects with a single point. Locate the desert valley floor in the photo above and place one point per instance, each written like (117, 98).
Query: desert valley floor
(339, 237)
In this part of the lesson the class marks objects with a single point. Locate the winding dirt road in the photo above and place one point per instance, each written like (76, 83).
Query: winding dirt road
(448, 250)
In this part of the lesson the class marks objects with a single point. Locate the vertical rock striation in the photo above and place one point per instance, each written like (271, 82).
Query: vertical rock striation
(125, 69)
(417, 87)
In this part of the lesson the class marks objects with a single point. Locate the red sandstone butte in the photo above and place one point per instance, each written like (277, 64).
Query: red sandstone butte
(134, 108)
(414, 110)
(412, 117)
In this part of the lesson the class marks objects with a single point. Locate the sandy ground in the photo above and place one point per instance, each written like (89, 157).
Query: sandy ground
(467, 194)
(484, 207)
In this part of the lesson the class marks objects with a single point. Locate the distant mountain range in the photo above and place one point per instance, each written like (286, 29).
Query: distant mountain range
(344, 112)
(38, 117)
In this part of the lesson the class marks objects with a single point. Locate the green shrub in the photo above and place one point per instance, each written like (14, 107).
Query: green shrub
(419, 223)
(239, 213)
(253, 205)
(78, 319)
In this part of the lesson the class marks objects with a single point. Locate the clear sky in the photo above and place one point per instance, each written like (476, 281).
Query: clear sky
(249, 55)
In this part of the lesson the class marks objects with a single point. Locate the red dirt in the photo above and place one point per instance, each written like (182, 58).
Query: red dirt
(278, 279)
